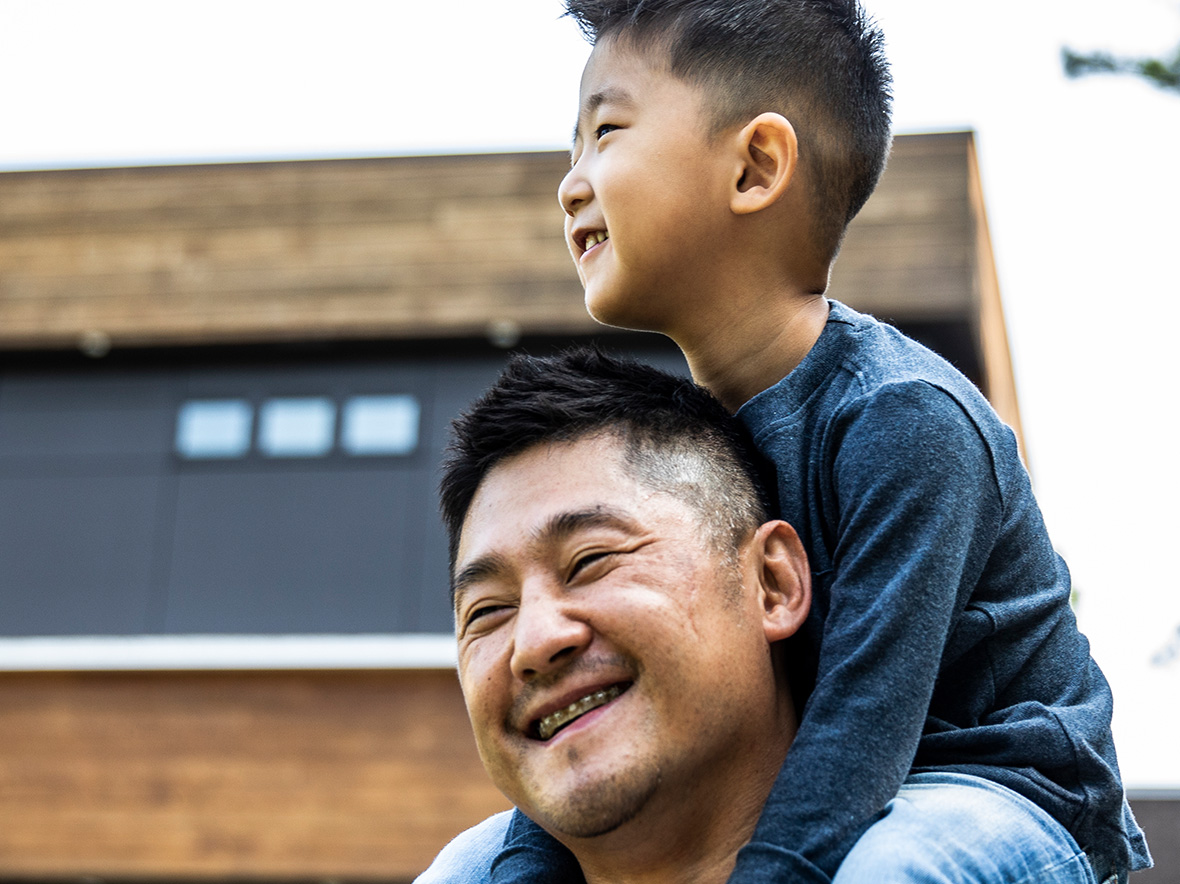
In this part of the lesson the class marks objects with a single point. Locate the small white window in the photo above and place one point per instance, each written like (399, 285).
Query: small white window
(375, 425)
(296, 427)
(211, 428)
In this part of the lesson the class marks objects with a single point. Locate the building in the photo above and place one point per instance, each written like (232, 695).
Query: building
(225, 645)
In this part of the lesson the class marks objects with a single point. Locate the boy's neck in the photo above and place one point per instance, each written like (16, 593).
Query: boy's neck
(756, 349)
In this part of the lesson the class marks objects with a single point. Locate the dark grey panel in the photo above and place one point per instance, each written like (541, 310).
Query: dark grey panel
(454, 386)
(104, 529)
(67, 389)
(74, 415)
(295, 379)
(323, 551)
(76, 554)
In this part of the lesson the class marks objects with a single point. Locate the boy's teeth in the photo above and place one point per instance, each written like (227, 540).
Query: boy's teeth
(595, 238)
(555, 721)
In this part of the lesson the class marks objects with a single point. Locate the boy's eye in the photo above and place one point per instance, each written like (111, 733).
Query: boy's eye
(602, 130)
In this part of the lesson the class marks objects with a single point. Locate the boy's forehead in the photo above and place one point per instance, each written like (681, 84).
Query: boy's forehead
(601, 77)
(613, 61)
(620, 73)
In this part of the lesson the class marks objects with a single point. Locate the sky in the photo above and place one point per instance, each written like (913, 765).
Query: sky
(1080, 179)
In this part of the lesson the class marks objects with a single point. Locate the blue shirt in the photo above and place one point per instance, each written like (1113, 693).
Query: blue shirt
(469, 857)
(941, 635)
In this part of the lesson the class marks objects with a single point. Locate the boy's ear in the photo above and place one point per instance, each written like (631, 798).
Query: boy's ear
(784, 577)
(769, 155)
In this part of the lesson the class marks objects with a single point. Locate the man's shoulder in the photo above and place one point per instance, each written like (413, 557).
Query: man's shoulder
(468, 858)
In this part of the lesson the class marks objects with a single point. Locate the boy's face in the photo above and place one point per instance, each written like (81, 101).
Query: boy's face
(647, 196)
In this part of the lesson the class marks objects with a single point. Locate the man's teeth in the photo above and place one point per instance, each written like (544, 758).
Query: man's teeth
(555, 721)
(595, 238)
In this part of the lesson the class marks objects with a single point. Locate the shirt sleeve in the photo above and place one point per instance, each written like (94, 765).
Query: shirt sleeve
(911, 506)
(468, 858)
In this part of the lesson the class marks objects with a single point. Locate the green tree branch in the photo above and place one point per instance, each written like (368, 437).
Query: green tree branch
(1162, 72)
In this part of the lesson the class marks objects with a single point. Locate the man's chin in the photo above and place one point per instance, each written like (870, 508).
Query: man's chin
(596, 809)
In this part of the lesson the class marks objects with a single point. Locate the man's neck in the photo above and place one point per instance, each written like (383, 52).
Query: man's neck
(693, 835)
(756, 348)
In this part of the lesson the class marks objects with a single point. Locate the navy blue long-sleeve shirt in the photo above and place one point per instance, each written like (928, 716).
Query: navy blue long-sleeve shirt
(941, 635)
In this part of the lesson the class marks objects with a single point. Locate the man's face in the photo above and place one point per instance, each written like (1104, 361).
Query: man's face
(610, 655)
(646, 176)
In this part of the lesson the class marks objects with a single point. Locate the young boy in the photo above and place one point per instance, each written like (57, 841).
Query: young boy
(721, 149)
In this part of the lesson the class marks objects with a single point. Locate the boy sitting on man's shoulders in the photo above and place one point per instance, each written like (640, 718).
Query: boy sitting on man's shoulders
(722, 148)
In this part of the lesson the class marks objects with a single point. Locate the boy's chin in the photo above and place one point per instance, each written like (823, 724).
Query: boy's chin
(616, 310)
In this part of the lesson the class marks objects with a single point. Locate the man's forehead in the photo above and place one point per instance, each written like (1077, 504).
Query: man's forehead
(524, 492)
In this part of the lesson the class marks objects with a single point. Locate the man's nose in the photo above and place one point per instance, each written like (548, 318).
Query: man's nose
(548, 634)
(574, 189)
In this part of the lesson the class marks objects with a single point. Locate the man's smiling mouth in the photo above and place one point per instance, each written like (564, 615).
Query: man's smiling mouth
(555, 721)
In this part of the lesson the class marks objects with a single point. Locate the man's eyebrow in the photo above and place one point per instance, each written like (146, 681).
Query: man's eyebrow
(613, 94)
(564, 525)
(555, 529)
(473, 572)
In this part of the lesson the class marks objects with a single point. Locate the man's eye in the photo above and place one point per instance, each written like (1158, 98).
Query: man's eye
(480, 612)
(588, 560)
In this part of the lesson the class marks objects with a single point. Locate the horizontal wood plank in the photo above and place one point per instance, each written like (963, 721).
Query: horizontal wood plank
(390, 247)
(352, 774)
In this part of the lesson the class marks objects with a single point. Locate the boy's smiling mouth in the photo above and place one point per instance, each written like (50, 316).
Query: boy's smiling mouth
(587, 241)
(593, 239)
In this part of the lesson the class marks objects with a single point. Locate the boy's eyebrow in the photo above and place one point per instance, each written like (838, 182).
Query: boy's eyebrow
(557, 528)
(613, 94)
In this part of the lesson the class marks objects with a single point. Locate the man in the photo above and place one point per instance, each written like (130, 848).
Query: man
(621, 603)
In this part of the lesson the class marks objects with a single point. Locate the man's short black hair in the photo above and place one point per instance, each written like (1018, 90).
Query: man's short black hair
(677, 437)
(819, 63)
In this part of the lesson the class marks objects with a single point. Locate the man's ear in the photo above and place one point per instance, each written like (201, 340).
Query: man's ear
(769, 155)
(784, 579)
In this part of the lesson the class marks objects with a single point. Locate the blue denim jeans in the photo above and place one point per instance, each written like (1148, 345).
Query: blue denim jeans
(946, 828)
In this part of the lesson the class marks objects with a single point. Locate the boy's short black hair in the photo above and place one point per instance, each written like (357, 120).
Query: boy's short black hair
(820, 63)
(677, 437)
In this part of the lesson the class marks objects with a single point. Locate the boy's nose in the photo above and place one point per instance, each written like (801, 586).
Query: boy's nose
(574, 191)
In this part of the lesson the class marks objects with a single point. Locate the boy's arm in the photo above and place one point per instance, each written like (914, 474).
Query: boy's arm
(912, 507)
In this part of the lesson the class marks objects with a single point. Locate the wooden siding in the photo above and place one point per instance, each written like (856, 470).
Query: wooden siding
(394, 247)
(277, 775)
(999, 380)
(910, 253)
(403, 247)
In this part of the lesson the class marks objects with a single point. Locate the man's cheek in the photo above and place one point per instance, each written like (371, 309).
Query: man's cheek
(485, 712)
